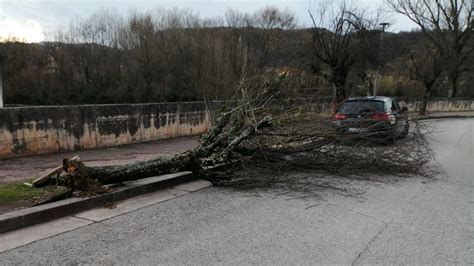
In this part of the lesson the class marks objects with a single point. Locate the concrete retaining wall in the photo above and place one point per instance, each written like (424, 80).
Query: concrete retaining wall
(42, 130)
(440, 104)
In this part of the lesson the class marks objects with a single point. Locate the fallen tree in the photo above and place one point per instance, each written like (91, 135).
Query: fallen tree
(260, 130)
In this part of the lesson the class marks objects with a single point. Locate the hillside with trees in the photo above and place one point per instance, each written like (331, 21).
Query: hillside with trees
(174, 55)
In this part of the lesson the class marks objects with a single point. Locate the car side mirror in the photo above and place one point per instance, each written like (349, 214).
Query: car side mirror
(404, 109)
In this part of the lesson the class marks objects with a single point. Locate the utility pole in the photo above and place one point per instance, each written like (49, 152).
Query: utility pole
(384, 26)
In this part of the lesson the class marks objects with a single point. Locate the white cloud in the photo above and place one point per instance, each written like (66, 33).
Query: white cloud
(27, 30)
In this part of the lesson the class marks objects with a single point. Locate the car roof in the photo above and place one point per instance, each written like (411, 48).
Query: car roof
(370, 98)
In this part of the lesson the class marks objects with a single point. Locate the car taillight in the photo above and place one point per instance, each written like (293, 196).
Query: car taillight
(381, 117)
(340, 116)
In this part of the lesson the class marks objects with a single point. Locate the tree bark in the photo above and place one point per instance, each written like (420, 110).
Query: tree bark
(339, 92)
(424, 101)
(453, 78)
(121, 173)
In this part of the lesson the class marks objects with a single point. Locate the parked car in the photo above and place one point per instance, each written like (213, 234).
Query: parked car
(372, 116)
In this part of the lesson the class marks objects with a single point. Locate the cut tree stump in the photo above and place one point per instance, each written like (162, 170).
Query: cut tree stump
(55, 171)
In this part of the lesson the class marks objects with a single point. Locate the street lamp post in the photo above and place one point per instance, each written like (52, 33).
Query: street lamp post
(384, 26)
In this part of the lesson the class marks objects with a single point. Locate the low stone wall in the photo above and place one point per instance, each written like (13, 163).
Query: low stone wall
(41, 130)
(52, 129)
(440, 104)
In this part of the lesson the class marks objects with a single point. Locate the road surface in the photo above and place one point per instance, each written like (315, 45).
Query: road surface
(411, 221)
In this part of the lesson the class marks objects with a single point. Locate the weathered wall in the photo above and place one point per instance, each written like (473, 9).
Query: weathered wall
(440, 105)
(40, 130)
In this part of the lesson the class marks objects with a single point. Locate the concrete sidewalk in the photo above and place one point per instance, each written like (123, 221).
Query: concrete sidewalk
(19, 169)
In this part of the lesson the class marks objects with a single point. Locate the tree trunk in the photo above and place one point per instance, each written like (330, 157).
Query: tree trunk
(424, 101)
(121, 173)
(339, 94)
(453, 78)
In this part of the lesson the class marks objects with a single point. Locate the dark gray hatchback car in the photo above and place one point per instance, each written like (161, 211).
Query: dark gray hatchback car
(372, 115)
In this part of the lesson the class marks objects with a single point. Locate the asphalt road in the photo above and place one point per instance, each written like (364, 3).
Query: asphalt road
(410, 221)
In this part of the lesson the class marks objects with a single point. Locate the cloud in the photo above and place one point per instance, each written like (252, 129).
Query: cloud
(27, 30)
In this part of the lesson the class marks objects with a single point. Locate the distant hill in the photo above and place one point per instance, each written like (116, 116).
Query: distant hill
(188, 64)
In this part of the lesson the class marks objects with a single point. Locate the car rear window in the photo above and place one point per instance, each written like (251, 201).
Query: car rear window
(357, 107)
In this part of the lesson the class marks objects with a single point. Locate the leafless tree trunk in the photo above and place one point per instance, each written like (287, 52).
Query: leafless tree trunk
(448, 25)
(336, 30)
(426, 67)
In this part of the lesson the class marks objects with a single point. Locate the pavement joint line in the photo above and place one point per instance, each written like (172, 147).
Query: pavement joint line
(385, 225)
(83, 218)
(183, 190)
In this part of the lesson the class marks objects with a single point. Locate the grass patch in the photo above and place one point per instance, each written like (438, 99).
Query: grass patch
(18, 196)
(18, 191)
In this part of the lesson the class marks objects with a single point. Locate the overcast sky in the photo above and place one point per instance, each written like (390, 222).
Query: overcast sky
(31, 18)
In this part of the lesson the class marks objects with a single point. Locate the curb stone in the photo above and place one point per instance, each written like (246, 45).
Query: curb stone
(43, 213)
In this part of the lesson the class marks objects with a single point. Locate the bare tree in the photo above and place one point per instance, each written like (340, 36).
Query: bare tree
(448, 25)
(426, 67)
(334, 42)
(139, 37)
(237, 19)
(272, 17)
(271, 22)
